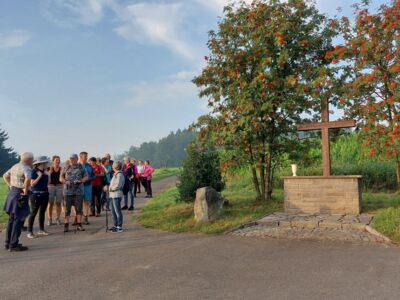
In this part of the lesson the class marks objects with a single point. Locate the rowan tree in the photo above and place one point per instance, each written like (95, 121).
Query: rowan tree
(260, 79)
(370, 59)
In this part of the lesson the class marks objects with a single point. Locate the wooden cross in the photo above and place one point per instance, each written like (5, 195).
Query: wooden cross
(324, 126)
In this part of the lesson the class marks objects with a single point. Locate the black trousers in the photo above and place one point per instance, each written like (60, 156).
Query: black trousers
(14, 227)
(149, 189)
(39, 204)
(137, 186)
(144, 183)
(95, 205)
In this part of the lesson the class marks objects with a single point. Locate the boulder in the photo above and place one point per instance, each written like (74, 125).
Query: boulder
(208, 205)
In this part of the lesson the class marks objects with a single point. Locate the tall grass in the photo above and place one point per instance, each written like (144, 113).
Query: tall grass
(348, 157)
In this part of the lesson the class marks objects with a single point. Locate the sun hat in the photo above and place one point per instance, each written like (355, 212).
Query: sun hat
(73, 156)
(41, 159)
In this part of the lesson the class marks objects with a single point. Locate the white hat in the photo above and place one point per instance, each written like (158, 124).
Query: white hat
(41, 159)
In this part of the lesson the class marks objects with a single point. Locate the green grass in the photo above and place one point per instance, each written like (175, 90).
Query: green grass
(163, 212)
(3, 195)
(164, 173)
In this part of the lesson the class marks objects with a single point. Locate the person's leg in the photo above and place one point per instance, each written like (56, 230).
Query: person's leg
(132, 196)
(44, 200)
(34, 210)
(52, 196)
(114, 205)
(15, 231)
(78, 206)
(98, 200)
(144, 183)
(119, 213)
(59, 202)
(92, 203)
(10, 225)
(149, 189)
(68, 206)
(86, 206)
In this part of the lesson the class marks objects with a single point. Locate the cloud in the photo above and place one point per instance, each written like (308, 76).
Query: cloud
(68, 13)
(169, 91)
(14, 38)
(155, 24)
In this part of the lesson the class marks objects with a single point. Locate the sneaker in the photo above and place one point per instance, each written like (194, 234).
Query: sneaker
(119, 230)
(24, 228)
(66, 227)
(58, 221)
(43, 233)
(85, 221)
(6, 246)
(80, 228)
(50, 222)
(131, 208)
(98, 215)
(91, 215)
(30, 235)
(18, 248)
(124, 208)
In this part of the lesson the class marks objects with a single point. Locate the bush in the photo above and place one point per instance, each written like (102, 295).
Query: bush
(200, 169)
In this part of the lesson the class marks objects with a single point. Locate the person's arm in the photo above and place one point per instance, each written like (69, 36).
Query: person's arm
(62, 177)
(36, 178)
(27, 182)
(7, 178)
(85, 176)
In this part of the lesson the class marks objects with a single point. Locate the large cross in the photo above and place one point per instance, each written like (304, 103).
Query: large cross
(324, 126)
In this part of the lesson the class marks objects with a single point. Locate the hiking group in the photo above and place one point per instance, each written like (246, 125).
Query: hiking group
(89, 186)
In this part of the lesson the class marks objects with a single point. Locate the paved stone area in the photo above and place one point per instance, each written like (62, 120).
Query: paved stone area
(314, 227)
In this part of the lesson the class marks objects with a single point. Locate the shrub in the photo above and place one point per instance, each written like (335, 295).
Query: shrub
(201, 168)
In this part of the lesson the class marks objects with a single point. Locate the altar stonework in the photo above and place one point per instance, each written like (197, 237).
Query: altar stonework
(335, 195)
(324, 194)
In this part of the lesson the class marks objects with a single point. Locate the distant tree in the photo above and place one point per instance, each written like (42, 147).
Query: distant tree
(167, 152)
(8, 156)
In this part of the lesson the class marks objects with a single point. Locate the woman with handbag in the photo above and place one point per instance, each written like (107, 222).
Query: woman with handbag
(39, 198)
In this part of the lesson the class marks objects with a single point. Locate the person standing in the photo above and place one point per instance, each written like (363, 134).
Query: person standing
(73, 177)
(39, 197)
(129, 172)
(136, 181)
(140, 170)
(97, 183)
(108, 171)
(18, 180)
(87, 187)
(116, 193)
(55, 190)
(148, 175)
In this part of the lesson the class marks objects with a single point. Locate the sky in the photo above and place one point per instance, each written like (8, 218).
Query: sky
(103, 75)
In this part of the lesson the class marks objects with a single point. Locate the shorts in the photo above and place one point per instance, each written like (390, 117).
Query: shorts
(87, 192)
(56, 194)
(76, 201)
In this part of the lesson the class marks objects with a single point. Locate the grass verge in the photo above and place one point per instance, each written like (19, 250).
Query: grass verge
(163, 212)
(164, 173)
(3, 195)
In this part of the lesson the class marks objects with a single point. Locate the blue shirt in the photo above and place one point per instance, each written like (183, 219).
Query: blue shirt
(90, 173)
(41, 186)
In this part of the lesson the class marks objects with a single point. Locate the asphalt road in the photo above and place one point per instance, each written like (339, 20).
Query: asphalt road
(149, 264)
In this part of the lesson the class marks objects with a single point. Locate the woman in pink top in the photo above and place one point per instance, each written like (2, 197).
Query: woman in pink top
(148, 176)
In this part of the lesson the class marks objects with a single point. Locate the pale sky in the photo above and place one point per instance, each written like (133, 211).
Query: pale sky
(102, 75)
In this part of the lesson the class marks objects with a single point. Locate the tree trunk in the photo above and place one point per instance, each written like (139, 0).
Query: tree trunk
(398, 170)
(268, 181)
(255, 177)
(256, 183)
(263, 179)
